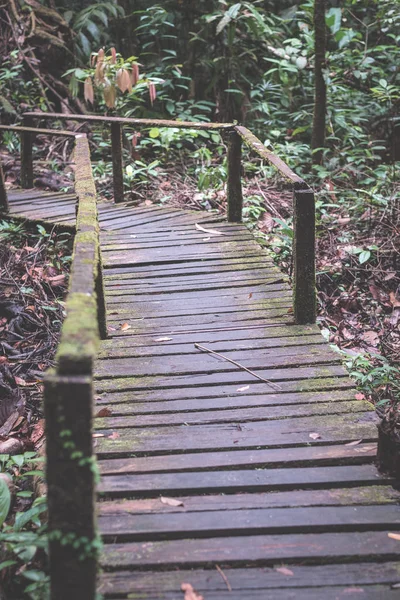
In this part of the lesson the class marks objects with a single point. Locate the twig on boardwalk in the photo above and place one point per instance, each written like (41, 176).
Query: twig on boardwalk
(204, 349)
(224, 577)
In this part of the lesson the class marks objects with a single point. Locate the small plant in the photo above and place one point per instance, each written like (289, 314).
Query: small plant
(12, 231)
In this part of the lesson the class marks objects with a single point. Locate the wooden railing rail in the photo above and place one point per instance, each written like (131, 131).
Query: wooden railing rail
(304, 297)
(304, 294)
(68, 399)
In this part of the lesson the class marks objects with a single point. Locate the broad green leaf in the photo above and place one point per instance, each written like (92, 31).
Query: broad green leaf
(5, 500)
(333, 19)
(364, 256)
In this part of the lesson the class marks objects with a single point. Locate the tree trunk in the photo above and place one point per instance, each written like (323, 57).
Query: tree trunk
(318, 133)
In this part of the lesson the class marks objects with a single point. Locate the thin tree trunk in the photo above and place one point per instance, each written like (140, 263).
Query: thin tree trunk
(318, 132)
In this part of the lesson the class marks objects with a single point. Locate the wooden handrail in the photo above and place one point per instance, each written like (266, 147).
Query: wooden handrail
(68, 399)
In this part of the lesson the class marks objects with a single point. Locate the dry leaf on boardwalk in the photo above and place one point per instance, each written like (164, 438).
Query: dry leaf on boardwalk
(163, 339)
(315, 436)
(355, 443)
(125, 326)
(113, 436)
(243, 389)
(284, 571)
(171, 501)
(190, 594)
(104, 412)
(394, 536)
(212, 231)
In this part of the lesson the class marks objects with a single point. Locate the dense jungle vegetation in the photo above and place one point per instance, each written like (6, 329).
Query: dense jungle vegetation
(251, 62)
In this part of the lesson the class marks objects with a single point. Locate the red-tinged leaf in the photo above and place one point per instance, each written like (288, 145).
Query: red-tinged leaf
(100, 56)
(355, 443)
(20, 382)
(190, 593)
(250, 295)
(135, 74)
(38, 431)
(135, 139)
(110, 95)
(104, 412)
(359, 396)
(284, 571)
(126, 81)
(315, 436)
(114, 436)
(113, 56)
(3, 359)
(171, 501)
(88, 90)
(152, 92)
(125, 327)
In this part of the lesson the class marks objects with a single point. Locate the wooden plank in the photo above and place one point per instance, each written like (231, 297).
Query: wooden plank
(261, 549)
(205, 363)
(291, 457)
(262, 521)
(131, 402)
(350, 496)
(237, 481)
(252, 578)
(130, 420)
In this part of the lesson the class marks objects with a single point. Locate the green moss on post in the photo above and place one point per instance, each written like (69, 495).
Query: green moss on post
(304, 295)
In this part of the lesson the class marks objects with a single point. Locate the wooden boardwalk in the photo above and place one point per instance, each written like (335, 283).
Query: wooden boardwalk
(241, 488)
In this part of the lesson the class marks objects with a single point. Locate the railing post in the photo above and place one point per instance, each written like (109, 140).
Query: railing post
(234, 186)
(3, 193)
(304, 295)
(68, 401)
(100, 298)
(116, 148)
(26, 155)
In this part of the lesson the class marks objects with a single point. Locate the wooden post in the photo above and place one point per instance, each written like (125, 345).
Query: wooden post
(116, 148)
(100, 297)
(304, 296)
(68, 403)
(234, 187)
(26, 155)
(3, 193)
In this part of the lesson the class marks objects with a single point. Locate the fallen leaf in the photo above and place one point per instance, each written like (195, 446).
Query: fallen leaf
(38, 431)
(394, 536)
(114, 436)
(98, 435)
(359, 396)
(212, 231)
(243, 389)
(250, 295)
(104, 412)
(371, 337)
(171, 501)
(314, 436)
(390, 276)
(285, 571)
(394, 299)
(3, 359)
(163, 339)
(125, 326)
(353, 590)
(190, 594)
(20, 381)
(355, 443)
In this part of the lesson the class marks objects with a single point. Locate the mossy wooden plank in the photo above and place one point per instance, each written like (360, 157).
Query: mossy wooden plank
(136, 403)
(250, 459)
(302, 578)
(197, 438)
(206, 363)
(266, 550)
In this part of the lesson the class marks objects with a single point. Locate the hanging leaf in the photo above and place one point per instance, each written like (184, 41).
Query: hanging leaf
(152, 92)
(135, 74)
(113, 56)
(110, 95)
(88, 90)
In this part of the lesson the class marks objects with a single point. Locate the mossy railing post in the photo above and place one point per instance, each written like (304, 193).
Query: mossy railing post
(304, 294)
(69, 400)
(234, 185)
(116, 147)
(27, 155)
(71, 486)
(3, 192)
